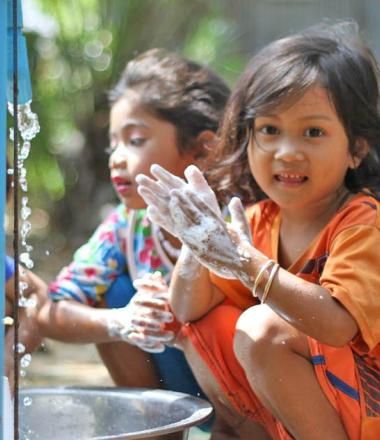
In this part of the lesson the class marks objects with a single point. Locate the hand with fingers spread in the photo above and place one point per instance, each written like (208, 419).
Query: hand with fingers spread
(157, 193)
(190, 211)
(141, 322)
(223, 248)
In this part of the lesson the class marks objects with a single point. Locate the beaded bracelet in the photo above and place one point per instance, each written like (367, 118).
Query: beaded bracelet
(259, 276)
(268, 285)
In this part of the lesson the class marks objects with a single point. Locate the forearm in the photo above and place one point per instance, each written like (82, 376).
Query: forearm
(192, 294)
(69, 321)
(29, 338)
(309, 307)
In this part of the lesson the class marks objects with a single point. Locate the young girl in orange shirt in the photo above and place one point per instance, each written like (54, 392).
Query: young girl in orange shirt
(281, 307)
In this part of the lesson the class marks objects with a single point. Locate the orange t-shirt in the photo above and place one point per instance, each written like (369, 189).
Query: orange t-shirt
(344, 258)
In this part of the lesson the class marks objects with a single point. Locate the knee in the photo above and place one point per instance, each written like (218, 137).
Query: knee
(258, 336)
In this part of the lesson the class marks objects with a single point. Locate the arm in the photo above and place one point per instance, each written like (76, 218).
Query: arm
(71, 321)
(29, 334)
(36, 290)
(69, 315)
(140, 322)
(308, 307)
(192, 293)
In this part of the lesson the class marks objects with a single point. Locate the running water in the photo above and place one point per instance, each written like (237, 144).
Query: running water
(28, 127)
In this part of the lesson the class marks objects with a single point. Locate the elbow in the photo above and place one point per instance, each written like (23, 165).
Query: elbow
(342, 334)
(180, 315)
(183, 314)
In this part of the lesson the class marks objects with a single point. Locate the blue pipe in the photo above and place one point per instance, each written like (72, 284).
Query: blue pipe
(23, 76)
(3, 142)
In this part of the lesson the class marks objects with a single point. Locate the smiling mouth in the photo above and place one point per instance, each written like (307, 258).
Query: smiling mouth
(290, 178)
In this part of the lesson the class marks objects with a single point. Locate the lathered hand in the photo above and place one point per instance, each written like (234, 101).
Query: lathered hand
(157, 193)
(223, 248)
(142, 321)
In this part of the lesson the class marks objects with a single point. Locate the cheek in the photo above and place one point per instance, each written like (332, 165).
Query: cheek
(251, 159)
(256, 165)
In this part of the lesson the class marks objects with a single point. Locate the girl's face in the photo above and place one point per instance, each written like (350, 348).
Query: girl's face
(299, 156)
(138, 139)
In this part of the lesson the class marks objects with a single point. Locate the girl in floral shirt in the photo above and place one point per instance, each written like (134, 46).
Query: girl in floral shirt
(165, 109)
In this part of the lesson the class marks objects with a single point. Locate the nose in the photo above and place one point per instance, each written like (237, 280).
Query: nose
(289, 150)
(118, 157)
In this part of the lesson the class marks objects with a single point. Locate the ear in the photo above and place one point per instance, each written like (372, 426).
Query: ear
(361, 151)
(203, 146)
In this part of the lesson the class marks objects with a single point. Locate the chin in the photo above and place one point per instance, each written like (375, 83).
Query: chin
(133, 202)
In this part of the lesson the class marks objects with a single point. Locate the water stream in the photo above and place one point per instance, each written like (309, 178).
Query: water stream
(28, 127)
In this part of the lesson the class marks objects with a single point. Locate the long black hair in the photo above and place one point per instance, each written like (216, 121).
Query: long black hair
(332, 56)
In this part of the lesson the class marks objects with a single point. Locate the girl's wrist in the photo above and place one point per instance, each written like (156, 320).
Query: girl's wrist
(264, 276)
(256, 269)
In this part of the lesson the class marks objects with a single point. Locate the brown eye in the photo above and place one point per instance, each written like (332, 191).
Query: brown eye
(314, 132)
(269, 130)
(137, 141)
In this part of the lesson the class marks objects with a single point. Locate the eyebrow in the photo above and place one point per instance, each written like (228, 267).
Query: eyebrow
(324, 117)
(307, 117)
(134, 123)
(131, 123)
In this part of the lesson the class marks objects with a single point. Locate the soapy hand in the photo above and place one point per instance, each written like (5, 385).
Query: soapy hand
(142, 321)
(221, 247)
(157, 193)
(189, 210)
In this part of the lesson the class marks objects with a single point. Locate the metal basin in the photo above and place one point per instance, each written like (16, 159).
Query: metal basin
(106, 413)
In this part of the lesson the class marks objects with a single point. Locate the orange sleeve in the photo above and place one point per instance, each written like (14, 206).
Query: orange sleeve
(352, 274)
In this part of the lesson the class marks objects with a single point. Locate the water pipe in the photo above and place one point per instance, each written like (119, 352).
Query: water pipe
(23, 75)
(3, 141)
(10, 31)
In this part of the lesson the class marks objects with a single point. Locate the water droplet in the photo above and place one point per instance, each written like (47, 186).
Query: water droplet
(20, 348)
(26, 260)
(26, 360)
(22, 302)
(47, 252)
(22, 373)
(22, 286)
(31, 302)
(27, 401)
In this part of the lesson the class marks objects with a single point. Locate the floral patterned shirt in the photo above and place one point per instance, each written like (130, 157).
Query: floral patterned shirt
(124, 244)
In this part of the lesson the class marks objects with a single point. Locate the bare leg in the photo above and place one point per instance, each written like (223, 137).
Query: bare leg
(228, 423)
(131, 367)
(276, 359)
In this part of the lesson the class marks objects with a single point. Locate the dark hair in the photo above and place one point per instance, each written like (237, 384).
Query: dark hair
(332, 56)
(180, 91)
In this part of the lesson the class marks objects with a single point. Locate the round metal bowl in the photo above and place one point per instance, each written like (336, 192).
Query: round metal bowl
(106, 413)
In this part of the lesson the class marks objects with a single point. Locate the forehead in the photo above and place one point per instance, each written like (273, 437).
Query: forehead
(128, 106)
(315, 100)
